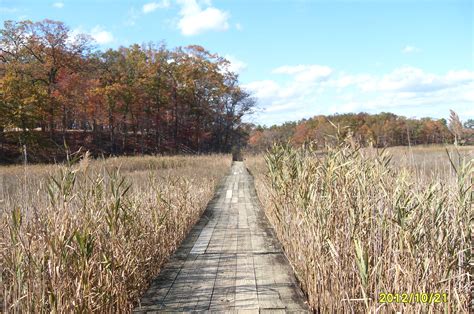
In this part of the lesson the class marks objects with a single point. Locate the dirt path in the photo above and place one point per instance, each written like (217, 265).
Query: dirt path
(230, 261)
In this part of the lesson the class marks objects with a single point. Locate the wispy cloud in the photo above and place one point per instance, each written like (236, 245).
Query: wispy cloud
(132, 16)
(195, 20)
(236, 65)
(410, 49)
(98, 33)
(406, 79)
(8, 10)
(305, 73)
(58, 5)
(153, 6)
(406, 90)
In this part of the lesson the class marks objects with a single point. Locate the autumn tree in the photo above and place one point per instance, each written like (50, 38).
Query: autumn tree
(132, 99)
(40, 51)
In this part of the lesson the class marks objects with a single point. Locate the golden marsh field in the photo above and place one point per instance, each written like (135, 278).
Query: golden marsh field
(89, 236)
(357, 224)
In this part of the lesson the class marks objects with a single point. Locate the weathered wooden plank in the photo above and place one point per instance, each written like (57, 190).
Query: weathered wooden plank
(223, 297)
(245, 283)
(243, 223)
(204, 288)
(275, 283)
(158, 290)
(261, 242)
(231, 241)
(204, 238)
(217, 241)
(244, 242)
(181, 285)
(230, 261)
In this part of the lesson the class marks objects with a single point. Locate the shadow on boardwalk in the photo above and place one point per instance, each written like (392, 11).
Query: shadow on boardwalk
(230, 261)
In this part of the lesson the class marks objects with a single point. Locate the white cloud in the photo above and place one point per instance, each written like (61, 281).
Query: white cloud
(98, 33)
(304, 85)
(409, 79)
(58, 5)
(458, 76)
(410, 49)
(263, 89)
(152, 6)
(409, 91)
(101, 36)
(236, 65)
(346, 80)
(195, 20)
(305, 73)
(403, 80)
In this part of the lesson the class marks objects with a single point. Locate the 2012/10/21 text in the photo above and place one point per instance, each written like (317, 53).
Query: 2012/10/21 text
(413, 297)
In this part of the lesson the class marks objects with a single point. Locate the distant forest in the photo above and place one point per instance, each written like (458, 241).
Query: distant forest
(378, 130)
(57, 91)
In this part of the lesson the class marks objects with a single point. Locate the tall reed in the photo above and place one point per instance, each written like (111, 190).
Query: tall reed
(354, 225)
(89, 236)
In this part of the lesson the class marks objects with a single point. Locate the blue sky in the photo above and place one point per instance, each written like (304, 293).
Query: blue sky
(305, 57)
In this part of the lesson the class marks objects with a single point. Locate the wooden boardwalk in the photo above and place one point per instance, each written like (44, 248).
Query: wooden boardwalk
(230, 261)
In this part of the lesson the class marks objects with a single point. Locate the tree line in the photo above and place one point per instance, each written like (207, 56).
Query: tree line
(378, 130)
(55, 87)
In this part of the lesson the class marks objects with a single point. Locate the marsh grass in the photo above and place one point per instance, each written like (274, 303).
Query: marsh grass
(88, 236)
(355, 223)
